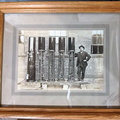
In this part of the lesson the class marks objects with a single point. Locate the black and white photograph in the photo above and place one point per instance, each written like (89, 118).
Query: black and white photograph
(61, 59)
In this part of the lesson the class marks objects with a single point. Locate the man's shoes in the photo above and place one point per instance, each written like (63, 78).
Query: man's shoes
(80, 79)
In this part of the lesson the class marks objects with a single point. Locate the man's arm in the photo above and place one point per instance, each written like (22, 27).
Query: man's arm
(76, 54)
(88, 56)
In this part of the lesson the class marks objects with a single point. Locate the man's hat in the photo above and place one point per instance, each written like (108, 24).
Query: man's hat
(81, 46)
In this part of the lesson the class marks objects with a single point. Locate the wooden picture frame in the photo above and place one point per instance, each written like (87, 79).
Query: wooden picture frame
(55, 112)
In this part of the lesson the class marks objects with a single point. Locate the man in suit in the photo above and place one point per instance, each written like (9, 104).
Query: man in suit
(82, 58)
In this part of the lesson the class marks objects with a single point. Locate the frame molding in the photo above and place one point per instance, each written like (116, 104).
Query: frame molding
(55, 112)
(60, 7)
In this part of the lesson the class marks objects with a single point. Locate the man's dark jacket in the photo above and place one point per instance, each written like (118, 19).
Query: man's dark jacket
(81, 57)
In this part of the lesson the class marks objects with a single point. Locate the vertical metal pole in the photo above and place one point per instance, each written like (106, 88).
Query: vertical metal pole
(31, 60)
(51, 60)
(61, 58)
(37, 61)
(41, 49)
(71, 68)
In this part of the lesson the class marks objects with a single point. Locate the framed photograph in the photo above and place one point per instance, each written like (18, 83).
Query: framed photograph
(60, 60)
